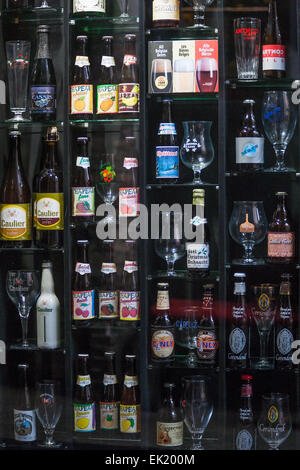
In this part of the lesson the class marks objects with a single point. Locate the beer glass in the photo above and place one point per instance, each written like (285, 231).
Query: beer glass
(197, 151)
(263, 312)
(275, 422)
(199, 10)
(207, 74)
(197, 408)
(247, 38)
(106, 184)
(23, 288)
(17, 55)
(124, 16)
(161, 76)
(184, 76)
(171, 244)
(48, 407)
(279, 116)
(187, 331)
(248, 227)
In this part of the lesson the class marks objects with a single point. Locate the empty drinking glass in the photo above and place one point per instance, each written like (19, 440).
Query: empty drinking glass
(17, 55)
(247, 38)
(171, 244)
(124, 16)
(48, 410)
(275, 422)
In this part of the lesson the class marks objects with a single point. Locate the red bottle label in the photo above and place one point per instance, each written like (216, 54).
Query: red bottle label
(274, 57)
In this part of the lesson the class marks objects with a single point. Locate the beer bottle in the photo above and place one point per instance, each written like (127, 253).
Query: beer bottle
(15, 200)
(107, 88)
(129, 190)
(250, 143)
(198, 251)
(84, 404)
(24, 411)
(130, 406)
(130, 293)
(239, 328)
(281, 236)
(85, 6)
(43, 81)
(48, 311)
(167, 149)
(284, 325)
(207, 343)
(162, 328)
(81, 87)
(108, 294)
(83, 189)
(50, 197)
(169, 426)
(165, 14)
(129, 88)
(245, 435)
(274, 52)
(110, 400)
(83, 294)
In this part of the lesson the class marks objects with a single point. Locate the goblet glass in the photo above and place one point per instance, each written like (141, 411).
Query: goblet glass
(248, 227)
(18, 54)
(124, 16)
(106, 184)
(279, 116)
(48, 410)
(170, 245)
(199, 12)
(275, 422)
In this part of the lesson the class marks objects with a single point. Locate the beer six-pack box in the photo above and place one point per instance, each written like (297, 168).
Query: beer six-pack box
(183, 66)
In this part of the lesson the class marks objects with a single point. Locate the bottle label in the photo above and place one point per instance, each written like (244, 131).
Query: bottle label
(83, 268)
(84, 417)
(25, 425)
(237, 341)
(131, 381)
(43, 99)
(207, 344)
(83, 380)
(50, 211)
(108, 268)
(108, 61)
(130, 266)
(82, 61)
(239, 288)
(249, 150)
(83, 305)
(274, 57)
(285, 312)
(107, 99)
(246, 391)
(163, 344)
(281, 245)
(89, 5)
(82, 99)
(129, 59)
(110, 379)
(198, 256)
(238, 312)
(130, 418)
(244, 440)
(129, 306)
(169, 434)
(109, 415)
(167, 128)
(83, 162)
(34, 210)
(130, 163)
(167, 10)
(129, 98)
(108, 304)
(83, 202)
(284, 341)
(167, 162)
(163, 302)
(129, 202)
(15, 222)
(48, 322)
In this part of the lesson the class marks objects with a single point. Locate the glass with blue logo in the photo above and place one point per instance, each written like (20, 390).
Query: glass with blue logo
(275, 422)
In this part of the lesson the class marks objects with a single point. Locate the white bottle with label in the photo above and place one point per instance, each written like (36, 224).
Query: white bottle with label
(95, 6)
(48, 312)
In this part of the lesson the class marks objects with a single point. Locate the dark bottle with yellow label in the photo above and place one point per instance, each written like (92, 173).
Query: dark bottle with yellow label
(162, 328)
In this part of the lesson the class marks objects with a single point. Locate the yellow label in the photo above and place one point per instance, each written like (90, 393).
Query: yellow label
(15, 222)
(107, 99)
(82, 99)
(49, 211)
(130, 418)
(166, 10)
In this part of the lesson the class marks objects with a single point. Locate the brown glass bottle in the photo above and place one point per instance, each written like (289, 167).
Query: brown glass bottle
(110, 400)
(81, 84)
(130, 405)
(83, 189)
(274, 52)
(108, 293)
(165, 14)
(284, 325)
(162, 328)
(245, 433)
(169, 425)
(83, 294)
(207, 344)
(107, 83)
(129, 88)
(238, 338)
(130, 291)
(50, 197)
(129, 176)
(84, 403)
(281, 235)
(24, 410)
(15, 200)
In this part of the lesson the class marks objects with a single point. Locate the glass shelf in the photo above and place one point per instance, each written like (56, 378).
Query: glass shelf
(184, 97)
(180, 363)
(32, 250)
(34, 347)
(116, 325)
(184, 274)
(265, 264)
(32, 126)
(180, 185)
(184, 32)
(32, 15)
(234, 174)
(103, 122)
(285, 83)
(97, 439)
(90, 24)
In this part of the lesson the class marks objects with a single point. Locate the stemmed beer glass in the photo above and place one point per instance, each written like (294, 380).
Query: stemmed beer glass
(124, 16)
(17, 55)
(199, 10)
(171, 244)
(106, 184)
(275, 422)
(48, 408)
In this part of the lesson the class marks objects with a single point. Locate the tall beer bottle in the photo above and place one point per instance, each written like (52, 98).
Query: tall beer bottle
(238, 341)
(110, 400)
(162, 328)
(245, 434)
(207, 343)
(198, 251)
(284, 325)
(84, 403)
(130, 405)
(50, 197)
(274, 52)
(83, 188)
(43, 81)
(165, 14)
(250, 143)
(169, 425)
(129, 191)
(83, 294)
(24, 410)
(281, 235)
(167, 149)
(129, 88)
(130, 290)
(81, 87)
(15, 200)
(86, 6)
(107, 87)
(108, 293)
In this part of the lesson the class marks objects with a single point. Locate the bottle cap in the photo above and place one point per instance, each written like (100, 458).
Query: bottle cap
(43, 28)
(23, 366)
(52, 134)
(249, 101)
(83, 355)
(163, 284)
(82, 242)
(130, 36)
(247, 377)
(130, 356)
(281, 193)
(107, 37)
(239, 275)
(169, 385)
(82, 139)
(110, 354)
(14, 133)
(81, 37)
(47, 264)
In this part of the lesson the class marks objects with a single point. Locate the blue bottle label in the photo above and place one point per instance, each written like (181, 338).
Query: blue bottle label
(167, 162)
(167, 128)
(43, 99)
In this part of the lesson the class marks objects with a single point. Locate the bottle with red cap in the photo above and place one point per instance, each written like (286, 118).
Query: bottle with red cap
(245, 434)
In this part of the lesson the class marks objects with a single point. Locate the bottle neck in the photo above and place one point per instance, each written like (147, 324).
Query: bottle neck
(15, 153)
(273, 17)
(169, 399)
(108, 48)
(281, 211)
(82, 255)
(249, 118)
(110, 368)
(246, 414)
(166, 113)
(81, 48)
(207, 306)
(82, 366)
(47, 285)
(51, 155)
(130, 48)
(43, 46)
(130, 368)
